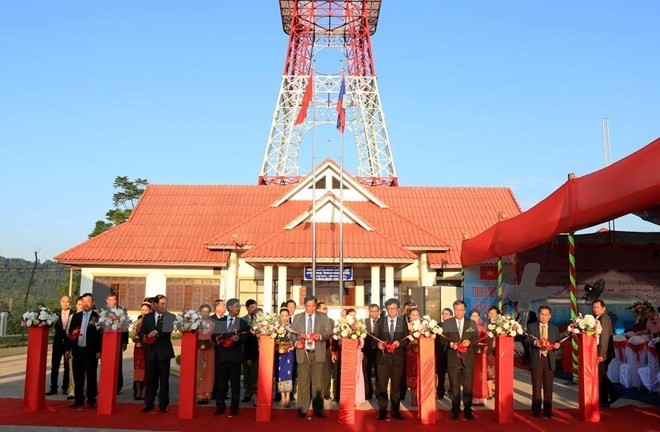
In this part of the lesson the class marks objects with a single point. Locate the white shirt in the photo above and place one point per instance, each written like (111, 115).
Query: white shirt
(460, 324)
(310, 344)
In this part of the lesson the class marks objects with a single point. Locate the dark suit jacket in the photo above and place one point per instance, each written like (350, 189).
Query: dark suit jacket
(60, 337)
(606, 344)
(400, 334)
(161, 349)
(251, 347)
(234, 353)
(535, 352)
(370, 344)
(470, 332)
(94, 336)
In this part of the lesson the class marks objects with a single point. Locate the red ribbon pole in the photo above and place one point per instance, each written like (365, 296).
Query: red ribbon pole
(588, 410)
(265, 378)
(349, 365)
(107, 404)
(426, 380)
(34, 397)
(188, 376)
(504, 379)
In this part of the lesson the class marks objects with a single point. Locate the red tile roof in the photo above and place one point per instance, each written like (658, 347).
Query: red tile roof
(180, 225)
(359, 244)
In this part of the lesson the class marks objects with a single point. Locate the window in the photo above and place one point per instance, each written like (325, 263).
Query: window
(190, 293)
(254, 289)
(130, 290)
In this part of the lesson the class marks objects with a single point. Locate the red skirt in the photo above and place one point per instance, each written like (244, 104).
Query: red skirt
(138, 364)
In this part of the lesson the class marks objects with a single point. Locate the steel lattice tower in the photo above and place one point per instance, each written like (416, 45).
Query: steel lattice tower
(312, 26)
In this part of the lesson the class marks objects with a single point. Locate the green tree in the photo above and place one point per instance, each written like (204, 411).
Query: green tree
(125, 199)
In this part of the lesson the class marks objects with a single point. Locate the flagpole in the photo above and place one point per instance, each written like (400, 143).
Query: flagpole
(314, 200)
(341, 211)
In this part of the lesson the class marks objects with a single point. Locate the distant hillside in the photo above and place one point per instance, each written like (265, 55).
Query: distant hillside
(50, 281)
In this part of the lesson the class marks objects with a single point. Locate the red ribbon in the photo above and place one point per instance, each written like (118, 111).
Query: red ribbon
(149, 340)
(637, 349)
(74, 334)
(620, 347)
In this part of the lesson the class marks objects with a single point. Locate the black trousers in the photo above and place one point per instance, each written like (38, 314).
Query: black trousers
(606, 390)
(56, 359)
(441, 370)
(157, 374)
(120, 375)
(542, 379)
(389, 372)
(228, 373)
(369, 371)
(85, 364)
(461, 376)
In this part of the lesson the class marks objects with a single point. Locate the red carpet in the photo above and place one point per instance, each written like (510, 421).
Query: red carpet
(129, 417)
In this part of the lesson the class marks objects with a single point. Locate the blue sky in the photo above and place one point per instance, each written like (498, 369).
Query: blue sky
(476, 93)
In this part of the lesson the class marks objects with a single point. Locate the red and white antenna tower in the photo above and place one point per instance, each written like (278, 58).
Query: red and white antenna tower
(313, 26)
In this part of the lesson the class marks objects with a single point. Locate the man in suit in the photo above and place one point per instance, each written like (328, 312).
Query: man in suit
(608, 395)
(460, 365)
(250, 354)
(542, 360)
(230, 334)
(220, 309)
(393, 330)
(310, 356)
(60, 346)
(86, 351)
(441, 357)
(370, 351)
(111, 302)
(157, 326)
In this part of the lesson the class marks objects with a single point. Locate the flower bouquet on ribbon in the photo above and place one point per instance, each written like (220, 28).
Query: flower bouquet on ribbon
(349, 327)
(424, 327)
(113, 319)
(189, 321)
(504, 325)
(40, 317)
(587, 324)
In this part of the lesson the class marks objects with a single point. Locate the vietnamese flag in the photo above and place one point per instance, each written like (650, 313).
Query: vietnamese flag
(307, 98)
(488, 272)
(341, 112)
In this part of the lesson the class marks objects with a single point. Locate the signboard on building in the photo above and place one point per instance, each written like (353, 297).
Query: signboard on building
(328, 273)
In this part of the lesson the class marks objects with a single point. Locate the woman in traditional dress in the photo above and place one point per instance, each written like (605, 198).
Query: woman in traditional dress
(138, 355)
(411, 357)
(285, 362)
(205, 357)
(493, 312)
(480, 377)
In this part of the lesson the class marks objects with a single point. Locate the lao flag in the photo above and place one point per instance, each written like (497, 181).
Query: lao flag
(307, 98)
(488, 272)
(341, 112)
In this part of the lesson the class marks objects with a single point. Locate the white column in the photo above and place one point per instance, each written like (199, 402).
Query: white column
(281, 284)
(359, 293)
(156, 284)
(231, 288)
(375, 284)
(268, 289)
(389, 281)
(86, 283)
(426, 274)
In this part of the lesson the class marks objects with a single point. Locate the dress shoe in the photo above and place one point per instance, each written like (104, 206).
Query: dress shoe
(65, 391)
(440, 396)
(319, 415)
(233, 412)
(76, 405)
(382, 415)
(147, 408)
(453, 416)
(246, 399)
(548, 415)
(301, 414)
(615, 398)
(470, 416)
(70, 397)
(202, 402)
(397, 415)
(537, 415)
(219, 411)
(92, 404)
(51, 392)
(163, 409)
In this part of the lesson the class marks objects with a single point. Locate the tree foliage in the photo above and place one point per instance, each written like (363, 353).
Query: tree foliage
(125, 199)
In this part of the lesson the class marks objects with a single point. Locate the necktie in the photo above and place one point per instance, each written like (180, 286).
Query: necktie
(373, 325)
(231, 324)
(65, 318)
(391, 329)
(460, 328)
(82, 339)
(310, 329)
(159, 323)
(544, 335)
